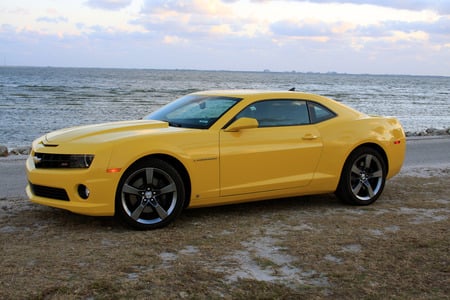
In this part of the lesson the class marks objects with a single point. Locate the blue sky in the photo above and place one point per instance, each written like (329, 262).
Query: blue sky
(366, 36)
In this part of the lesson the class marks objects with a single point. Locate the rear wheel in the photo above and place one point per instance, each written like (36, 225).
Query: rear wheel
(150, 194)
(363, 177)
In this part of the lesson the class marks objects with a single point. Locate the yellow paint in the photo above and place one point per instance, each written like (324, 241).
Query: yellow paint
(227, 163)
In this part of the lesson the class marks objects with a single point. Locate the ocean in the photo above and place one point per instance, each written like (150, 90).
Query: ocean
(36, 100)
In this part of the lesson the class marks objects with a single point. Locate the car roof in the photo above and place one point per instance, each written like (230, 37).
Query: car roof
(255, 95)
(251, 92)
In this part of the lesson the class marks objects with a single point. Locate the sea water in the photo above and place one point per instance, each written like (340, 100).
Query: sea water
(36, 100)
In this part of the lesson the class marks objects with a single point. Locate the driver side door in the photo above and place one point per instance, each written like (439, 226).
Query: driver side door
(281, 153)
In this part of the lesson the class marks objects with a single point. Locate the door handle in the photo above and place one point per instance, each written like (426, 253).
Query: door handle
(310, 137)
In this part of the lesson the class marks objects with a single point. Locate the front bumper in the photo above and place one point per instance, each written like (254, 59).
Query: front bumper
(48, 186)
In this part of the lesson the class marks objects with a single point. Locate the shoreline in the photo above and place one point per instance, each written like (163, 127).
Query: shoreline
(430, 133)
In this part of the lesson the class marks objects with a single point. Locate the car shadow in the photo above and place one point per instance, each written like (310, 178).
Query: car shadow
(42, 216)
(310, 203)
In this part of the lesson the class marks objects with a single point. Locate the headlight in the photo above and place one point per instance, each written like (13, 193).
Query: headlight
(70, 161)
(80, 161)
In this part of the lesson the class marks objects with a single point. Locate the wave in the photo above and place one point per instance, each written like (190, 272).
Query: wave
(44, 88)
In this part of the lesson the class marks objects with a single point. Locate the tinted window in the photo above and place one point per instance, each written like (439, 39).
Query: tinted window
(319, 113)
(281, 112)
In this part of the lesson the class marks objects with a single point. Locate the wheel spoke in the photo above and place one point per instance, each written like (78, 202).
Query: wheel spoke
(368, 160)
(357, 188)
(149, 176)
(159, 210)
(168, 189)
(356, 170)
(369, 188)
(138, 211)
(376, 174)
(128, 189)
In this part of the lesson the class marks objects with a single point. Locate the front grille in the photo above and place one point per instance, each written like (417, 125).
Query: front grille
(49, 192)
(56, 161)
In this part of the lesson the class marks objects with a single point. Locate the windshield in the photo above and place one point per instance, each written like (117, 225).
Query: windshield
(194, 111)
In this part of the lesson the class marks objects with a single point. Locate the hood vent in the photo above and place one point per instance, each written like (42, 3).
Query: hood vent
(46, 143)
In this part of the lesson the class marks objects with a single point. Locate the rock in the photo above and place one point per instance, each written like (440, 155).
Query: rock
(434, 131)
(3, 151)
(21, 150)
(441, 132)
(429, 132)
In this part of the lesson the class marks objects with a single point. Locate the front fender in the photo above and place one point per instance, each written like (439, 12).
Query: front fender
(200, 159)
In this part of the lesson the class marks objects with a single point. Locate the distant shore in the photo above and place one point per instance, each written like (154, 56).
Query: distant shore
(430, 132)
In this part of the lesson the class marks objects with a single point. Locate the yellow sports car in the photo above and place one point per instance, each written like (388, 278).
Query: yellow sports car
(213, 148)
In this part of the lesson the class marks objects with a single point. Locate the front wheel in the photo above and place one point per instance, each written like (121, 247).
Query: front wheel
(363, 177)
(150, 194)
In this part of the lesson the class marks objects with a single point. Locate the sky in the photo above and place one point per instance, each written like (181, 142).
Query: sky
(345, 36)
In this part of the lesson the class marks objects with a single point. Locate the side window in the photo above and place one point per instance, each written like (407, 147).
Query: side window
(280, 112)
(319, 113)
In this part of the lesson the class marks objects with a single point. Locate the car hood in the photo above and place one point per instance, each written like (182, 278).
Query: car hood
(102, 132)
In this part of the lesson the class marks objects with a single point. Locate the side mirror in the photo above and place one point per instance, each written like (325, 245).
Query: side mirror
(242, 123)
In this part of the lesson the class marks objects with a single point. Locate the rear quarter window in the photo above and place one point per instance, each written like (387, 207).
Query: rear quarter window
(319, 113)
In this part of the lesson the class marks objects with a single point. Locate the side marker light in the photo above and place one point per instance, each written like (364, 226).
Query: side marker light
(113, 170)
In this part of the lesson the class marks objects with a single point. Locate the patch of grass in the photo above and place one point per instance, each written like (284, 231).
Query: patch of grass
(309, 247)
(251, 289)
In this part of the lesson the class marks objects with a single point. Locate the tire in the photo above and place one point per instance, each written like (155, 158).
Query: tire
(362, 178)
(150, 195)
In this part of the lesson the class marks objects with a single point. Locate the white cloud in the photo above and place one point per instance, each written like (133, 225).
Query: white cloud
(278, 35)
(173, 39)
(414, 5)
(52, 19)
(108, 4)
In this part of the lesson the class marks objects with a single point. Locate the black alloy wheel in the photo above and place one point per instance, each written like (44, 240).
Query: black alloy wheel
(150, 194)
(363, 177)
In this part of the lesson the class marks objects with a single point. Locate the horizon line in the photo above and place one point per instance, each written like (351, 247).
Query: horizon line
(225, 70)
